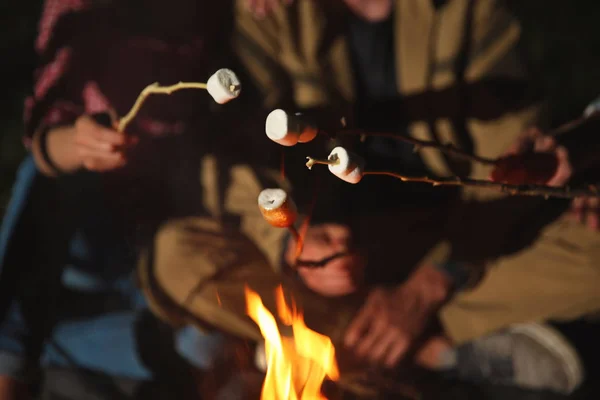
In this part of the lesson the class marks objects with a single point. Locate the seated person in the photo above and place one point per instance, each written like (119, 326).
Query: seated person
(514, 240)
(87, 198)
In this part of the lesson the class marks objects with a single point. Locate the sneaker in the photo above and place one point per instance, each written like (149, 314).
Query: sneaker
(531, 356)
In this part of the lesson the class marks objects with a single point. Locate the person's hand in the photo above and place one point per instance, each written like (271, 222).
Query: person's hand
(99, 148)
(342, 275)
(262, 8)
(534, 158)
(392, 319)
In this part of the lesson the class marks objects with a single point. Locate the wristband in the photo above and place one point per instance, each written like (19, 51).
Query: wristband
(43, 142)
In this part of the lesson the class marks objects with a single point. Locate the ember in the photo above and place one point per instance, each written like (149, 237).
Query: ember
(296, 366)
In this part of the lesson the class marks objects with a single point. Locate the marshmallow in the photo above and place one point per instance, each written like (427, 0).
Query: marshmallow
(349, 166)
(260, 357)
(289, 129)
(223, 86)
(277, 208)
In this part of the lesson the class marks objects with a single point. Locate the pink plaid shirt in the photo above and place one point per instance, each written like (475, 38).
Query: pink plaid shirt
(100, 63)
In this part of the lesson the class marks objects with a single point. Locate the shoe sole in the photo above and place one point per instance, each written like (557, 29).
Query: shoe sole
(557, 344)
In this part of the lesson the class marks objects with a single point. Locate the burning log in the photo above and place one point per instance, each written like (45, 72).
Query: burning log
(298, 361)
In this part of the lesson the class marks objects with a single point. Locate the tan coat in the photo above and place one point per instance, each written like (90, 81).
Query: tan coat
(198, 267)
(299, 55)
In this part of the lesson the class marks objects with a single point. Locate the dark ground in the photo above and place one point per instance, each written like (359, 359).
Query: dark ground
(561, 40)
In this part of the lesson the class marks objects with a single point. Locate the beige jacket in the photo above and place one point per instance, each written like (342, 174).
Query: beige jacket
(299, 56)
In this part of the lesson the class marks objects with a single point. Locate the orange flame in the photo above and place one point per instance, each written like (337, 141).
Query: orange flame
(296, 367)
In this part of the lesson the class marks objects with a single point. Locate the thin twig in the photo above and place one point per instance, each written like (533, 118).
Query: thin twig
(569, 126)
(522, 190)
(298, 239)
(312, 161)
(418, 144)
(155, 88)
(452, 150)
(306, 223)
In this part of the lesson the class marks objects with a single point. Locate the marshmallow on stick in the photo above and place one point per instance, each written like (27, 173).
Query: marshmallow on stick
(289, 129)
(223, 86)
(277, 208)
(342, 163)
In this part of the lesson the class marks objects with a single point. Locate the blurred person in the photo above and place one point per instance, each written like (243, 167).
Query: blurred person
(439, 65)
(491, 268)
(87, 198)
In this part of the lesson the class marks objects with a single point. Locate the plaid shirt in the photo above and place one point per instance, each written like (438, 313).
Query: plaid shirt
(92, 60)
(98, 55)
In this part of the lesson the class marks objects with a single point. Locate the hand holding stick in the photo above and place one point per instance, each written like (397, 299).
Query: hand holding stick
(523, 190)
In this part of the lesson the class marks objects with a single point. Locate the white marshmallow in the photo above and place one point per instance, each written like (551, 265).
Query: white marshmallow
(350, 167)
(272, 199)
(288, 129)
(276, 127)
(260, 357)
(223, 86)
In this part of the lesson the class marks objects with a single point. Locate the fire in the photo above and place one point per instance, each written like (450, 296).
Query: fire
(296, 367)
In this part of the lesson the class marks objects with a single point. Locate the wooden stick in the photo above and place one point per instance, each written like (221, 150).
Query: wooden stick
(418, 144)
(458, 153)
(522, 190)
(154, 88)
(312, 161)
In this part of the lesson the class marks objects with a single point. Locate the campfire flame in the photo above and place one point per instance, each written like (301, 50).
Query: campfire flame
(296, 367)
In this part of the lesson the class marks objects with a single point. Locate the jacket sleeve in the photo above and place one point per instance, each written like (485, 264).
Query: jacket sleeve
(46, 106)
(485, 224)
(257, 44)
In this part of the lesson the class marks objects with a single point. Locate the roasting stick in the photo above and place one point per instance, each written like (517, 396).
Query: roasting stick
(223, 86)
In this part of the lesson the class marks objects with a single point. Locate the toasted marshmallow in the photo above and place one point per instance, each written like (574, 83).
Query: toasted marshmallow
(224, 86)
(349, 166)
(288, 129)
(277, 208)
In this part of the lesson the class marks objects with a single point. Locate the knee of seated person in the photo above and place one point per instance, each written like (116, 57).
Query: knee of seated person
(188, 251)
